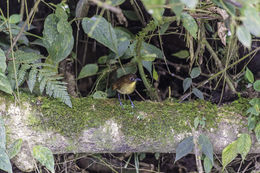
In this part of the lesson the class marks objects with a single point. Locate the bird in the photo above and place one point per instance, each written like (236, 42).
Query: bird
(126, 85)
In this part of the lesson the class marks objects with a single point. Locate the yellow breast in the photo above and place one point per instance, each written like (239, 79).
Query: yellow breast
(126, 88)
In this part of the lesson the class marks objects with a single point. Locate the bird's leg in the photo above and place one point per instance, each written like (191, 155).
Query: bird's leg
(132, 104)
(119, 99)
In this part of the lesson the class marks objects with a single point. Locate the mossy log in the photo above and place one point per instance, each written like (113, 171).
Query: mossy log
(102, 126)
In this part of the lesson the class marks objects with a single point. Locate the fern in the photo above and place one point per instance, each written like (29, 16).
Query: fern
(29, 67)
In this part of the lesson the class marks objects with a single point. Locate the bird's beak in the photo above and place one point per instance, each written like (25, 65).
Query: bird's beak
(138, 79)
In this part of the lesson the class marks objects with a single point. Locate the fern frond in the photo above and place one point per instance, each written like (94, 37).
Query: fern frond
(32, 78)
(57, 89)
(22, 72)
(26, 57)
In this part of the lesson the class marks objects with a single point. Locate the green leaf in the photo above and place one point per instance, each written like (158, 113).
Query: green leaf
(2, 134)
(44, 156)
(32, 78)
(244, 36)
(57, 37)
(249, 75)
(100, 95)
(252, 110)
(184, 148)
(123, 39)
(126, 70)
(195, 72)
(149, 57)
(196, 122)
(14, 148)
(155, 74)
(15, 18)
(251, 20)
(99, 29)
(88, 70)
(102, 59)
(190, 3)
(251, 122)
(2, 61)
(177, 7)
(257, 132)
(142, 156)
(5, 84)
(255, 101)
(243, 145)
(206, 146)
(257, 85)
(164, 27)
(146, 49)
(115, 2)
(131, 15)
(198, 93)
(229, 153)
(183, 54)
(5, 163)
(155, 8)
(190, 24)
(157, 155)
(207, 163)
(186, 84)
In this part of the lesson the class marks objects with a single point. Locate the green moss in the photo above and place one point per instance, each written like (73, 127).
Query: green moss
(157, 121)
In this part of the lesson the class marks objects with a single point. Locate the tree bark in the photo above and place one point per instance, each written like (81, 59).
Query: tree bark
(111, 135)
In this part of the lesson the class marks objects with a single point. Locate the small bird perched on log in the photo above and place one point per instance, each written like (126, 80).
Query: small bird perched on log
(125, 85)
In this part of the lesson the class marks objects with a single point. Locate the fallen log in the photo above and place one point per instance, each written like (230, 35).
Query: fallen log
(102, 126)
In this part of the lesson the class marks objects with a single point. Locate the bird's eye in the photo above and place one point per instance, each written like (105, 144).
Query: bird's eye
(132, 79)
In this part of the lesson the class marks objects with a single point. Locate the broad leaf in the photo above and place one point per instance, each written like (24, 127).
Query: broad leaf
(115, 2)
(189, 24)
(229, 153)
(44, 156)
(243, 145)
(195, 72)
(123, 39)
(5, 84)
(131, 15)
(251, 20)
(255, 101)
(206, 147)
(2, 61)
(99, 29)
(57, 36)
(251, 121)
(14, 148)
(81, 10)
(5, 163)
(126, 70)
(244, 36)
(184, 148)
(198, 93)
(257, 132)
(257, 85)
(177, 7)
(186, 84)
(190, 3)
(100, 95)
(88, 70)
(249, 75)
(207, 163)
(183, 54)
(155, 8)
(15, 18)
(155, 74)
